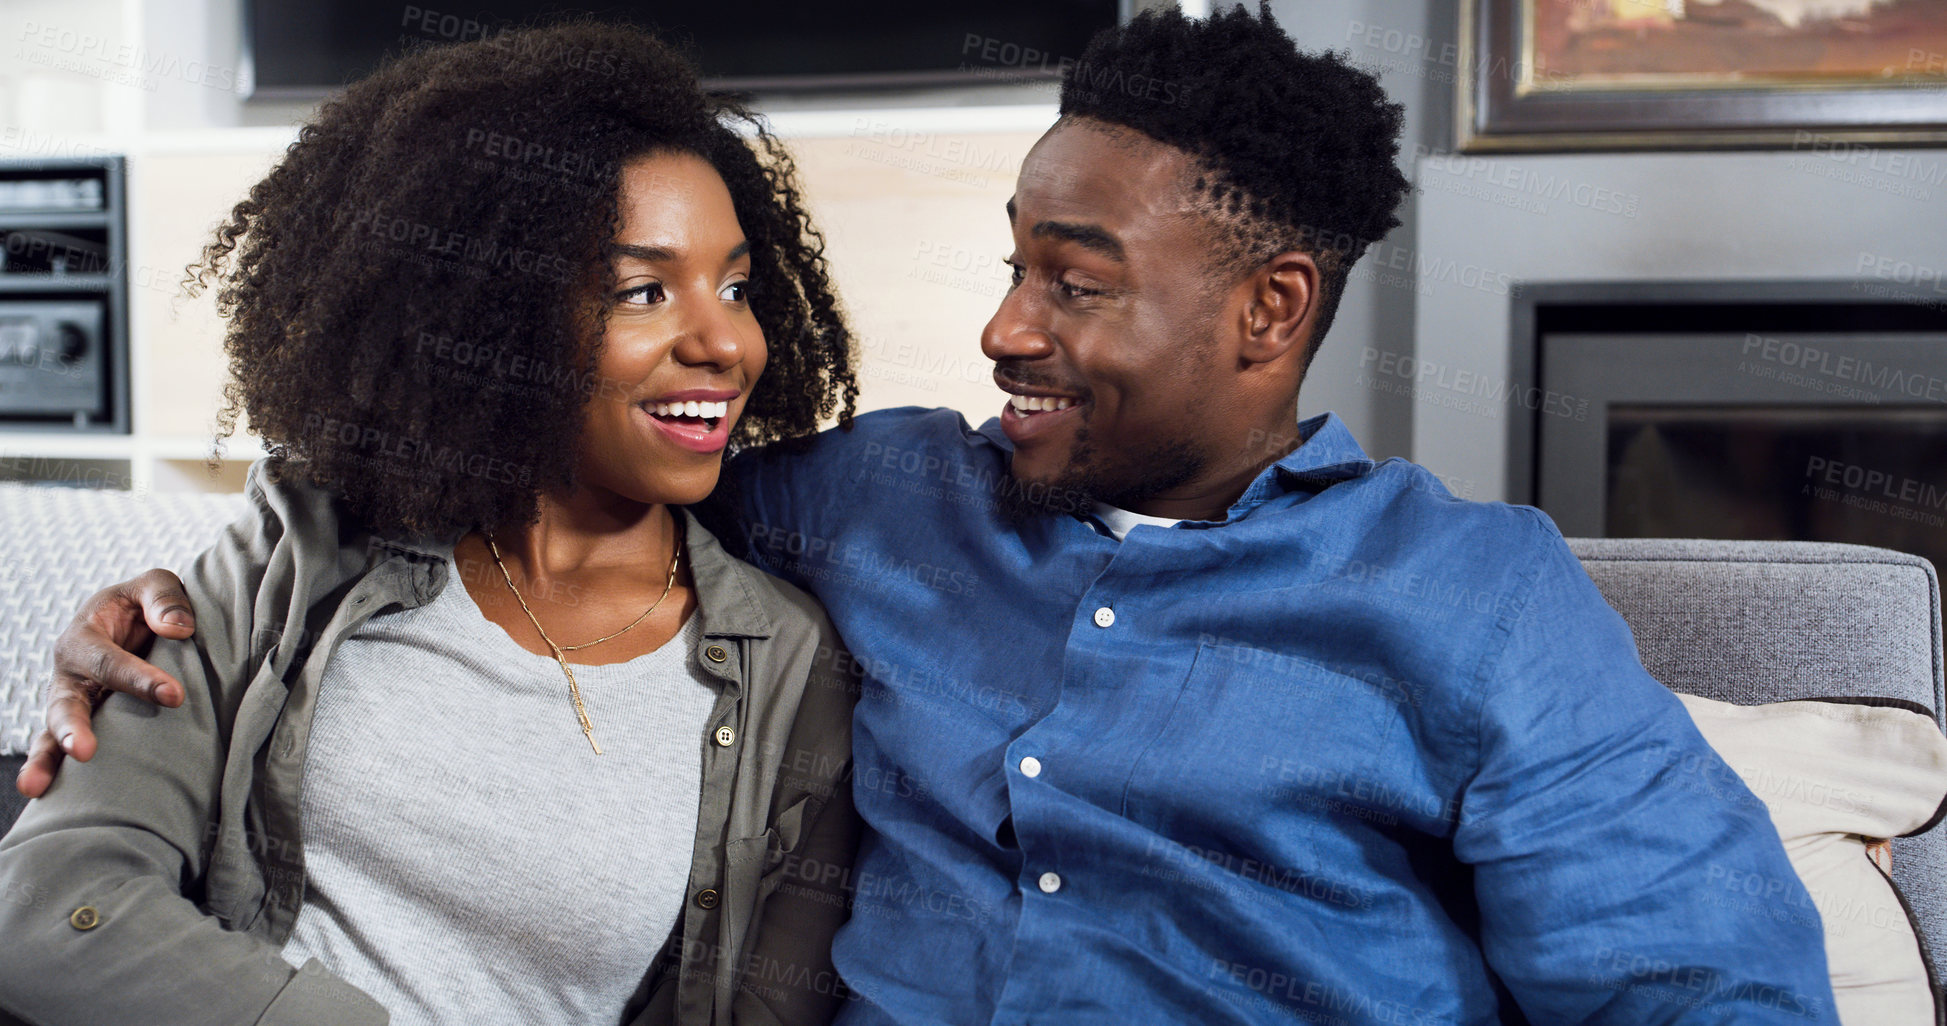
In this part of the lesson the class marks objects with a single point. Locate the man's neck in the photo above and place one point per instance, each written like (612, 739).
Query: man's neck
(1210, 495)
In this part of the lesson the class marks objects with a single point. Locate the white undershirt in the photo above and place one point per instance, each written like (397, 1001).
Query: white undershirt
(1120, 521)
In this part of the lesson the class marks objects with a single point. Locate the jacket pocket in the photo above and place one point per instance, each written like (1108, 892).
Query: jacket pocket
(788, 830)
(744, 862)
(754, 867)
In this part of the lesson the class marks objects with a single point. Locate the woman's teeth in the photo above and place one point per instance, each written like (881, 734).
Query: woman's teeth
(1039, 403)
(690, 409)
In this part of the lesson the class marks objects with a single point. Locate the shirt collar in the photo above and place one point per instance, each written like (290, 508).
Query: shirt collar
(1328, 454)
(726, 603)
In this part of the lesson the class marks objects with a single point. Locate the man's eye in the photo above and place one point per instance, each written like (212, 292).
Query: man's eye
(1015, 271)
(1076, 291)
(642, 295)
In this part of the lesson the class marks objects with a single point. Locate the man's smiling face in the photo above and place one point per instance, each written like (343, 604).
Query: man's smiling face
(1111, 336)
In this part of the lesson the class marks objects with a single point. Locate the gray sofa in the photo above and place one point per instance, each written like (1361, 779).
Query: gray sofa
(1743, 622)
(1757, 622)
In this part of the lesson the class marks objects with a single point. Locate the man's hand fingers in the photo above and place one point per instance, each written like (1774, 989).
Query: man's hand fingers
(93, 657)
(43, 761)
(165, 605)
(88, 662)
(70, 718)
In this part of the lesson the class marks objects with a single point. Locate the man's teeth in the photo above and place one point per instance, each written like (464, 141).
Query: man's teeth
(1038, 403)
(690, 409)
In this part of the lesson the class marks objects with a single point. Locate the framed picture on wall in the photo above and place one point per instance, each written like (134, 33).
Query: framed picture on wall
(1709, 74)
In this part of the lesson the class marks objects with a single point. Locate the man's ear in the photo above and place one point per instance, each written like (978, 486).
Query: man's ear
(1278, 313)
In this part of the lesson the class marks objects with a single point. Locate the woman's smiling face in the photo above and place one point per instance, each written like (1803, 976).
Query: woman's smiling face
(682, 348)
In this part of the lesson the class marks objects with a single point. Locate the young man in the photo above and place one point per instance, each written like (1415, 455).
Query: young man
(1176, 709)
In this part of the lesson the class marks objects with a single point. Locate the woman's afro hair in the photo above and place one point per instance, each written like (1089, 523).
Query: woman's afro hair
(408, 292)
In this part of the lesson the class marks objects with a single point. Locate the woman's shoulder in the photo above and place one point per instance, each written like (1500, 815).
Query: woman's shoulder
(290, 506)
(746, 594)
(314, 521)
(800, 652)
(278, 571)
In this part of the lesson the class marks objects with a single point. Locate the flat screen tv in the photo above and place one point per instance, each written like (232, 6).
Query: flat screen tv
(307, 50)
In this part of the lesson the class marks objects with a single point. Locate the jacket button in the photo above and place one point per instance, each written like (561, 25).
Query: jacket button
(706, 899)
(716, 653)
(85, 918)
(726, 737)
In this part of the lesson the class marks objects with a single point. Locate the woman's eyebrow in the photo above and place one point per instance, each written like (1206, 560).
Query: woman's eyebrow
(657, 254)
(651, 254)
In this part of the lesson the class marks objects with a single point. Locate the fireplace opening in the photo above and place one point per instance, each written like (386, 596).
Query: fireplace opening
(1869, 476)
(1811, 411)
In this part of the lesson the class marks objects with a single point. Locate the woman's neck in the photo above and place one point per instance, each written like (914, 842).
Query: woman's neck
(586, 533)
(586, 570)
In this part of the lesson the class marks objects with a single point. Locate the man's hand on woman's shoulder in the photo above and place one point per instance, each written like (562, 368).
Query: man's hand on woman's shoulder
(101, 652)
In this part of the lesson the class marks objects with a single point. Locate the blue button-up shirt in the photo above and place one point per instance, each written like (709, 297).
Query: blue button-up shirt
(1360, 752)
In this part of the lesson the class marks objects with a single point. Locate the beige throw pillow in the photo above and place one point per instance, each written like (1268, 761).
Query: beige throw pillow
(1837, 777)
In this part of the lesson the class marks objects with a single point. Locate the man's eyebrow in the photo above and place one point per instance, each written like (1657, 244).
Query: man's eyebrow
(1087, 236)
(657, 254)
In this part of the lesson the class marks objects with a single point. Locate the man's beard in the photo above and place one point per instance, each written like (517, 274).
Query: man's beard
(1086, 481)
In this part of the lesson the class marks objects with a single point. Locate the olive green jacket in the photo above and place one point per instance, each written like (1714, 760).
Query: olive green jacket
(156, 883)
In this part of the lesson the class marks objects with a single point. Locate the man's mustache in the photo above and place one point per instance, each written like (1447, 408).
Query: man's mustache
(1008, 372)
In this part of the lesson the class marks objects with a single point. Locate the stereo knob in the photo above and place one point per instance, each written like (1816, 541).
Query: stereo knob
(74, 342)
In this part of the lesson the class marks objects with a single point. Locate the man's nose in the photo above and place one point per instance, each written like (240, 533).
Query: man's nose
(1017, 330)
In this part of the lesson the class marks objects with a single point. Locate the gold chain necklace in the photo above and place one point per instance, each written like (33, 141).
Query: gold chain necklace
(574, 688)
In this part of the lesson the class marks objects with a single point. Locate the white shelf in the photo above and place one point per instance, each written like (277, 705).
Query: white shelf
(147, 458)
(252, 140)
(240, 448)
(72, 447)
(122, 447)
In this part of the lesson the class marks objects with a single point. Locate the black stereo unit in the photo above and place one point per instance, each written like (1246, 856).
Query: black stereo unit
(63, 296)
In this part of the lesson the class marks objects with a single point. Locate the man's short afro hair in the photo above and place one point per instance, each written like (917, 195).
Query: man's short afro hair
(1295, 151)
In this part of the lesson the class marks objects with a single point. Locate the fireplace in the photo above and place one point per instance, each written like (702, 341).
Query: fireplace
(1812, 411)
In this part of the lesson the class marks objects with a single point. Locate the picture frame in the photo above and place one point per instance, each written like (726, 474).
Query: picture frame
(1567, 75)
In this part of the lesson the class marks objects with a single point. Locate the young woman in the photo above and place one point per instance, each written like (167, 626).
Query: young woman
(496, 316)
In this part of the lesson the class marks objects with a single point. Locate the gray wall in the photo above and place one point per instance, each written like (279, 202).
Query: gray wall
(1418, 360)
(1408, 44)
(1699, 217)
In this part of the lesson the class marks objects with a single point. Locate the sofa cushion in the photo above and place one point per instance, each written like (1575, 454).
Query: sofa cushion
(1837, 777)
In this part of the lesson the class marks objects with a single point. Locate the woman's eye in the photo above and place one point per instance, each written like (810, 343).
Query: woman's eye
(642, 295)
(736, 292)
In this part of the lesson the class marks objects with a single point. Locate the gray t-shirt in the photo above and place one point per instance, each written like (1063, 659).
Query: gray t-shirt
(468, 857)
